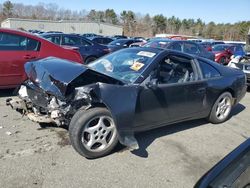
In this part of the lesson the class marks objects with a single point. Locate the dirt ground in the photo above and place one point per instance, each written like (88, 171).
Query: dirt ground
(173, 156)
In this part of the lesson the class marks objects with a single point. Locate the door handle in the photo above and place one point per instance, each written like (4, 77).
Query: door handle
(29, 57)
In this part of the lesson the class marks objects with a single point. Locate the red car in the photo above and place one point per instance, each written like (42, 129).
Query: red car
(18, 47)
(223, 53)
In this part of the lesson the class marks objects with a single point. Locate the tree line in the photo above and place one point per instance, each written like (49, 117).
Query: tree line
(134, 24)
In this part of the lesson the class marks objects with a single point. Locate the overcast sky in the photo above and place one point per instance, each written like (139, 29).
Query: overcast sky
(219, 11)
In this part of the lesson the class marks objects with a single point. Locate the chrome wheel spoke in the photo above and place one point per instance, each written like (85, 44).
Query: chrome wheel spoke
(100, 122)
(91, 142)
(103, 142)
(223, 108)
(99, 133)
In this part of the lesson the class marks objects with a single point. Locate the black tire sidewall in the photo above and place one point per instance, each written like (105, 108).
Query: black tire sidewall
(77, 125)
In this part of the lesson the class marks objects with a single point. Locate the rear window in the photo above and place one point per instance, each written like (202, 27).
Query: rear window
(157, 44)
(208, 71)
(220, 47)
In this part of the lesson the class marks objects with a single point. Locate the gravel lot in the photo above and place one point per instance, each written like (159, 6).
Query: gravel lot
(173, 156)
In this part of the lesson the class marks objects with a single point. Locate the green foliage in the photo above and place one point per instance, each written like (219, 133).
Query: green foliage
(160, 23)
(111, 16)
(7, 8)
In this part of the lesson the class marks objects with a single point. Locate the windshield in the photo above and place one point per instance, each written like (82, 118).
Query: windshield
(220, 47)
(126, 65)
(157, 44)
(118, 42)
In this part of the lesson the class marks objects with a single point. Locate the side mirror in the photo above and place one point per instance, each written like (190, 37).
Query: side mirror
(152, 84)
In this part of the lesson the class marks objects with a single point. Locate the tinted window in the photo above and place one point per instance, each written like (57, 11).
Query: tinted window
(130, 42)
(17, 42)
(119, 42)
(33, 45)
(54, 39)
(85, 42)
(12, 42)
(71, 41)
(107, 40)
(98, 40)
(239, 48)
(219, 47)
(191, 48)
(176, 46)
(158, 44)
(208, 71)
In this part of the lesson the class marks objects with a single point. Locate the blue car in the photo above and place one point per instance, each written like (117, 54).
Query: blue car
(89, 50)
(182, 46)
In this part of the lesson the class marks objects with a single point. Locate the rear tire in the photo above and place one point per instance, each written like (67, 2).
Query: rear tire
(221, 108)
(93, 133)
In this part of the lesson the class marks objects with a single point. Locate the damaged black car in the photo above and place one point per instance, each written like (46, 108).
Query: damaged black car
(131, 90)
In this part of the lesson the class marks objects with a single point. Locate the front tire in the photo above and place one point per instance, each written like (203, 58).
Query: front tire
(93, 132)
(221, 108)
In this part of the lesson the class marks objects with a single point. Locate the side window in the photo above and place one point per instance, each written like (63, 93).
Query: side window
(239, 48)
(85, 42)
(54, 39)
(71, 41)
(33, 45)
(98, 40)
(175, 69)
(232, 49)
(12, 42)
(129, 42)
(190, 48)
(176, 46)
(208, 71)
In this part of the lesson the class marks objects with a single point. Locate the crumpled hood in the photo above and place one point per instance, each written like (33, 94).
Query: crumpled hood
(53, 75)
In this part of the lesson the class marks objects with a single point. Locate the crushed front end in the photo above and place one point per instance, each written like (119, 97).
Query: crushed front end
(42, 107)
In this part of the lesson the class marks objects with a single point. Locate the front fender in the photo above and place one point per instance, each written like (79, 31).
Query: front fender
(121, 102)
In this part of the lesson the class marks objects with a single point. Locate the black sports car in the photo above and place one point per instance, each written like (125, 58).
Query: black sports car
(134, 89)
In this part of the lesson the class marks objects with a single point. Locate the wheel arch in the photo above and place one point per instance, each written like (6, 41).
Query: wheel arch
(232, 92)
(88, 57)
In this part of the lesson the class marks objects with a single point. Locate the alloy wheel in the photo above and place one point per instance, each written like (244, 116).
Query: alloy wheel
(99, 133)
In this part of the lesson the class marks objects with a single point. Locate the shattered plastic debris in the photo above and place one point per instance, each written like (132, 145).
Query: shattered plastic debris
(8, 133)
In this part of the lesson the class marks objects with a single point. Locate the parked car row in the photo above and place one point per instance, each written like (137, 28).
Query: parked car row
(15, 44)
(89, 50)
(17, 47)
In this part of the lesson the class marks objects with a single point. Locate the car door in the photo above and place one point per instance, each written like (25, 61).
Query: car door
(178, 96)
(15, 51)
